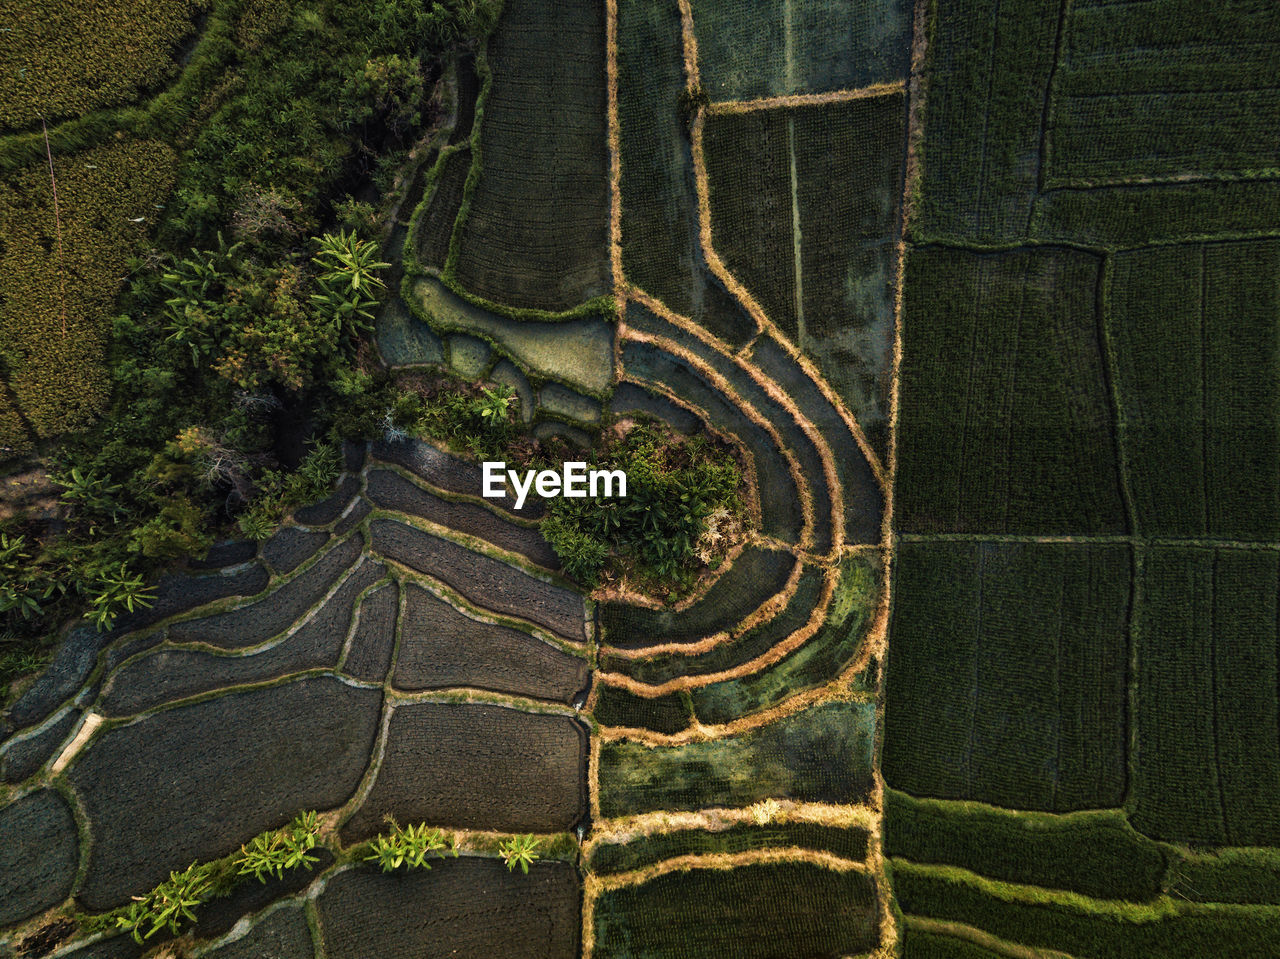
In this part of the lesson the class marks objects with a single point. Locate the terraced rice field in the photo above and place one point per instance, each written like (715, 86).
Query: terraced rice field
(999, 368)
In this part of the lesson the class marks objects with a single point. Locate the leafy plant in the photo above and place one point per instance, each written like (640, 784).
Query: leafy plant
(519, 851)
(272, 853)
(96, 495)
(408, 847)
(117, 590)
(349, 261)
(168, 904)
(496, 403)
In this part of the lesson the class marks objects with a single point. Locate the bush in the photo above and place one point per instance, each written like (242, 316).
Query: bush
(673, 486)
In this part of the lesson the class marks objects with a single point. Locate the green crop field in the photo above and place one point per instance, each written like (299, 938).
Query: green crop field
(1007, 681)
(760, 908)
(1106, 173)
(1003, 380)
(1201, 414)
(1162, 90)
(1207, 755)
(536, 231)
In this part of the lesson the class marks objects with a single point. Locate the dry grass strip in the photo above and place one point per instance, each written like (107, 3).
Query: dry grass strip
(615, 150)
(718, 818)
(806, 99)
(725, 861)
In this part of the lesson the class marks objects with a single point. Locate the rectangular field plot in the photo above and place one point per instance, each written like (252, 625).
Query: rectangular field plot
(1007, 679)
(805, 208)
(765, 911)
(990, 63)
(1207, 760)
(749, 49)
(1007, 425)
(1165, 88)
(536, 235)
(1197, 350)
(1095, 853)
(820, 755)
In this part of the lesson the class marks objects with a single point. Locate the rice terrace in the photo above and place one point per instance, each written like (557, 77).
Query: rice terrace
(640, 479)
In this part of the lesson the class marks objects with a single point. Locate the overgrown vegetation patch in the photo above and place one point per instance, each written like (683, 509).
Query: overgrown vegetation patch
(68, 59)
(822, 754)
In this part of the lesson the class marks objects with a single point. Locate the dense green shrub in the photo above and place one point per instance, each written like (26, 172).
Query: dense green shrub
(674, 486)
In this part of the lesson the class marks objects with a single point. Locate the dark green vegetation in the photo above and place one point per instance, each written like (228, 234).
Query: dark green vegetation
(805, 207)
(1022, 647)
(751, 50)
(1003, 380)
(676, 486)
(1094, 853)
(1207, 753)
(234, 346)
(822, 754)
(535, 218)
(1085, 927)
(803, 909)
(1129, 75)
(1199, 391)
(1089, 352)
